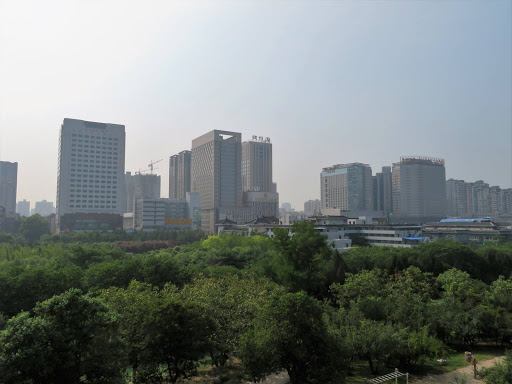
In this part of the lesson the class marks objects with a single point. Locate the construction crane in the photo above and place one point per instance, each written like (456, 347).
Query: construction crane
(140, 172)
(150, 165)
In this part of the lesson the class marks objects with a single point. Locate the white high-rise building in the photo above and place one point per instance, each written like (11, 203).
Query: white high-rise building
(90, 178)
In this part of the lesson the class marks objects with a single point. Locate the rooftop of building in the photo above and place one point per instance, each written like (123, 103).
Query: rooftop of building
(92, 124)
(259, 139)
(421, 160)
(344, 166)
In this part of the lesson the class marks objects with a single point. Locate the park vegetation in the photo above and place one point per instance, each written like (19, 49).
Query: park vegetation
(154, 308)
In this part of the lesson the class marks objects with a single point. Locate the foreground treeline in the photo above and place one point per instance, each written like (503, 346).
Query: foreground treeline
(84, 313)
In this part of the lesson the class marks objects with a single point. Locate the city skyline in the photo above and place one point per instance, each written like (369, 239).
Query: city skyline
(366, 83)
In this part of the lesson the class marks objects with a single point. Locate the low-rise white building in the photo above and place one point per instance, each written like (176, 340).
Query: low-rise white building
(339, 230)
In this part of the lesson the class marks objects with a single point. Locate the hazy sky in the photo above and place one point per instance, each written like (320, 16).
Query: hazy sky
(328, 81)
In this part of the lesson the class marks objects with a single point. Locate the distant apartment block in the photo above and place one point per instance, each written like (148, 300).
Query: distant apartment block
(90, 180)
(140, 186)
(257, 165)
(477, 199)
(456, 198)
(23, 208)
(347, 187)
(179, 175)
(506, 201)
(312, 207)
(44, 208)
(287, 207)
(8, 187)
(422, 187)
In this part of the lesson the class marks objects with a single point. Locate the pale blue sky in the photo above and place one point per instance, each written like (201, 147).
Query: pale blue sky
(328, 81)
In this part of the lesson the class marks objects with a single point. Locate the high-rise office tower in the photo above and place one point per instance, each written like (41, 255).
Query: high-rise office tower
(8, 186)
(216, 173)
(257, 165)
(90, 176)
(23, 208)
(422, 187)
(140, 186)
(179, 175)
(347, 187)
(382, 191)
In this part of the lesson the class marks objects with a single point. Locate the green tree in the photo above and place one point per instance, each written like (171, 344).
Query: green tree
(290, 333)
(33, 227)
(408, 294)
(135, 306)
(418, 346)
(377, 341)
(232, 303)
(178, 336)
(358, 240)
(366, 291)
(69, 338)
(458, 318)
(160, 330)
(304, 259)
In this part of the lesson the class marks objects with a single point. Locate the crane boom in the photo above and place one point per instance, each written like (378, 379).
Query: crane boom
(150, 165)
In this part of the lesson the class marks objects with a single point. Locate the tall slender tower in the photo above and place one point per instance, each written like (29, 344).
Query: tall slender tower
(179, 175)
(8, 186)
(382, 191)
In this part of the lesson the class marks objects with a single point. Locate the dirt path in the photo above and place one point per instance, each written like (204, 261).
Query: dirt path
(449, 378)
(280, 378)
